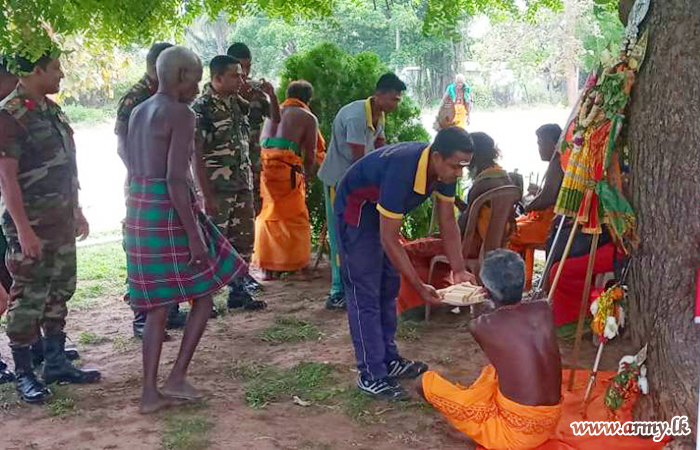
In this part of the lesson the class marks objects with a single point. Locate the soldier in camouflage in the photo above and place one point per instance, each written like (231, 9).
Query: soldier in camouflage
(41, 218)
(223, 165)
(8, 82)
(262, 104)
(137, 94)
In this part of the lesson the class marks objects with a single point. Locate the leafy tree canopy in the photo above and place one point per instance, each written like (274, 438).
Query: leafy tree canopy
(29, 27)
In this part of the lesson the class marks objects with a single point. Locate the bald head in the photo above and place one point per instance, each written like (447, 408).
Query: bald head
(179, 72)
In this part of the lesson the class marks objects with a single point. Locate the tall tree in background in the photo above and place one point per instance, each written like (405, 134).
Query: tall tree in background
(664, 143)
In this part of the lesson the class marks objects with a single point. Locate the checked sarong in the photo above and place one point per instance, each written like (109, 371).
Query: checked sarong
(157, 250)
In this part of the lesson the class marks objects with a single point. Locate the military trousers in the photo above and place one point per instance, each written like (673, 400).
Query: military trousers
(41, 287)
(236, 219)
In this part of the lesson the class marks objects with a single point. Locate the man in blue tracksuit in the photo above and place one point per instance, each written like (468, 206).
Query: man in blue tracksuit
(370, 203)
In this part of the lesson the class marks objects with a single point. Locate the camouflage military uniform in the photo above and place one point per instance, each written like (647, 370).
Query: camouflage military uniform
(258, 110)
(223, 131)
(138, 93)
(48, 180)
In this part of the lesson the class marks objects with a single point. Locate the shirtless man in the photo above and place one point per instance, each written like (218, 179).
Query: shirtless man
(524, 377)
(282, 229)
(193, 259)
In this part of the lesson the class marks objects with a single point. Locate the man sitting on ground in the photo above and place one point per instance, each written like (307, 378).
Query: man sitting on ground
(533, 227)
(516, 401)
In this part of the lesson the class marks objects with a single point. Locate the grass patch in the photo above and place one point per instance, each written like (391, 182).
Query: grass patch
(289, 329)
(357, 405)
(90, 338)
(409, 330)
(265, 384)
(187, 433)
(61, 404)
(101, 272)
(123, 344)
(83, 115)
(7, 394)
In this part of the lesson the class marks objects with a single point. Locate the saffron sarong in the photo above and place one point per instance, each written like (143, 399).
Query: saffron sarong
(484, 414)
(532, 231)
(282, 229)
(158, 255)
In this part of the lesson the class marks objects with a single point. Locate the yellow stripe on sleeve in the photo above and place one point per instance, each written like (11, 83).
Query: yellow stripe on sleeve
(386, 213)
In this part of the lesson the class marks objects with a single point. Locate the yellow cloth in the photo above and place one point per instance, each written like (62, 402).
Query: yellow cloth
(320, 140)
(460, 118)
(282, 229)
(484, 414)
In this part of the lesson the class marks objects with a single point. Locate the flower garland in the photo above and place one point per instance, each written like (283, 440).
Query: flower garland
(629, 381)
(608, 314)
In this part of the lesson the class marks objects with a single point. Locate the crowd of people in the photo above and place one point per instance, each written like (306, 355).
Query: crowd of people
(217, 181)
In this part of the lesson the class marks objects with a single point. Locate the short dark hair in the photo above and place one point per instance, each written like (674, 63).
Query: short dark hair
(25, 66)
(155, 51)
(220, 64)
(451, 140)
(239, 51)
(301, 90)
(485, 152)
(550, 131)
(503, 275)
(390, 82)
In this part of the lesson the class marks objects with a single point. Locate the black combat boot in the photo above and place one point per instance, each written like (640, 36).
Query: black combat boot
(5, 375)
(29, 388)
(38, 352)
(57, 368)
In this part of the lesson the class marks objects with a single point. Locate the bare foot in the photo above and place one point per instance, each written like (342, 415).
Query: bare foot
(182, 391)
(153, 403)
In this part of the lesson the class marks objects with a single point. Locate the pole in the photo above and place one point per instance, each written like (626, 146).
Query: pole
(567, 249)
(582, 311)
(591, 381)
(548, 264)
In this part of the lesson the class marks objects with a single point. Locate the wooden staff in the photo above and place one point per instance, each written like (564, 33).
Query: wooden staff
(582, 311)
(565, 255)
(548, 264)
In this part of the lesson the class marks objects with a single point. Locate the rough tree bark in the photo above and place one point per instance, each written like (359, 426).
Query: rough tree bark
(664, 143)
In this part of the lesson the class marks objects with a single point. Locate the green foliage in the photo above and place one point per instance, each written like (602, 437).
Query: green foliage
(266, 384)
(84, 115)
(124, 22)
(187, 433)
(289, 329)
(90, 338)
(614, 96)
(338, 79)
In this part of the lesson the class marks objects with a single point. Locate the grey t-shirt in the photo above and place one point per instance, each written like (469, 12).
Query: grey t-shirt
(351, 126)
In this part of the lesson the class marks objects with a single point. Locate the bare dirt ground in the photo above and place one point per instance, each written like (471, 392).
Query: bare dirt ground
(249, 363)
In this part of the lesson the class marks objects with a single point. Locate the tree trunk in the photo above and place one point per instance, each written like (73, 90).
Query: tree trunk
(664, 143)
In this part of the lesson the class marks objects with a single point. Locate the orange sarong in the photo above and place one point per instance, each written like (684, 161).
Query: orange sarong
(532, 231)
(282, 229)
(484, 414)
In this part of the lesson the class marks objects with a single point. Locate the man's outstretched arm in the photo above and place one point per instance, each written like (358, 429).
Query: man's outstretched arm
(390, 232)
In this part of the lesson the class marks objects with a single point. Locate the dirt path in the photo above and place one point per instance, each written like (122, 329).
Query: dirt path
(238, 362)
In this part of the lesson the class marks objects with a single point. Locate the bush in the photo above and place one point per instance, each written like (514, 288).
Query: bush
(338, 79)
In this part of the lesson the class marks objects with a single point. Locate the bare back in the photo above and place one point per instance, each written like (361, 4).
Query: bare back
(521, 344)
(297, 125)
(156, 126)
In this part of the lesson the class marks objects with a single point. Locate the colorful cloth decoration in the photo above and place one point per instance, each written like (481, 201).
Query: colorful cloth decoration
(629, 381)
(591, 190)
